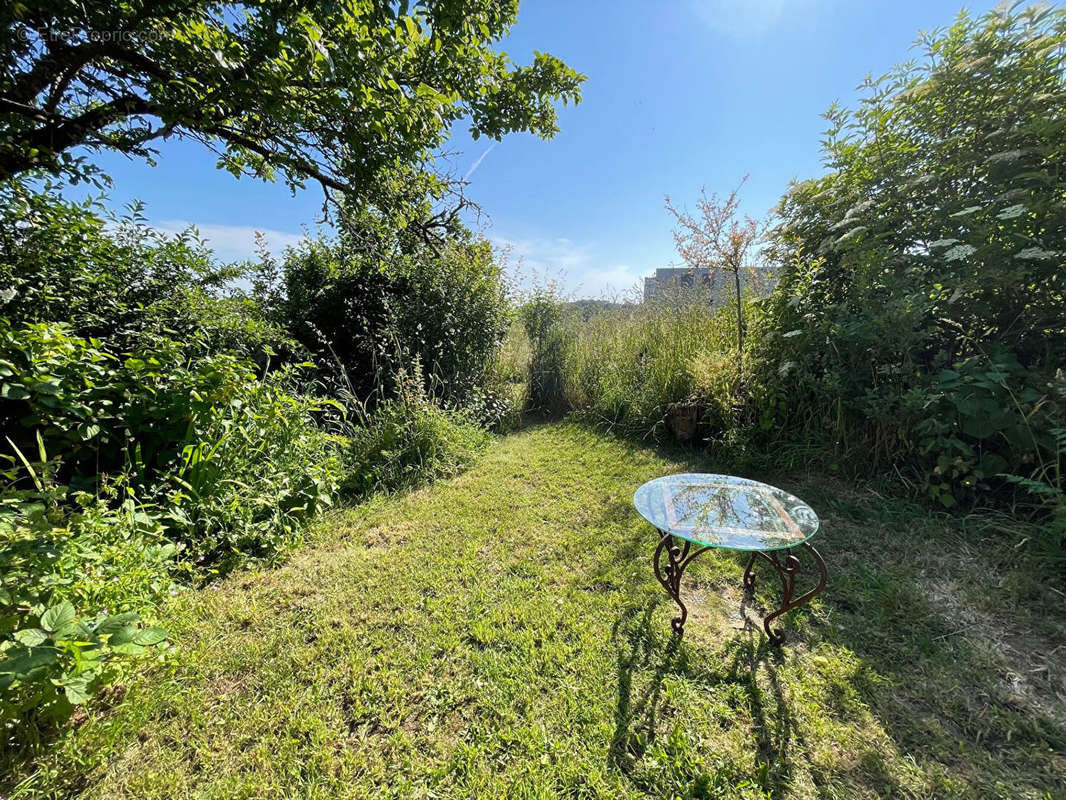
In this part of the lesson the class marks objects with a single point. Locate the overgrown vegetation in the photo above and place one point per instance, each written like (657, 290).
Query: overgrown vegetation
(622, 366)
(163, 422)
(410, 439)
(917, 324)
(920, 318)
(167, 418)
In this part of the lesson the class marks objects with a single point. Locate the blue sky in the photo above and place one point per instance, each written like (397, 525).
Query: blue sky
(680, 94)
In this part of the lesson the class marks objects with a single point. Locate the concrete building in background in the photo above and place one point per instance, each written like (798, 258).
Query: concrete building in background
(718, 283)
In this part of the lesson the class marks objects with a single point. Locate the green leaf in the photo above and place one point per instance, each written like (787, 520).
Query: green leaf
(124, 635)
(1011, 212)
(13, 391)
(58, 617)
(959, 251)
(49, 386)
(150, 636)
(25, 462)
(1037, 254)
(114, 623)
(23, 661)
(30, 637)
(77, 691)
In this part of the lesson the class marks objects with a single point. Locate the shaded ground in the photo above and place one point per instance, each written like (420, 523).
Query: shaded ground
(502, 635)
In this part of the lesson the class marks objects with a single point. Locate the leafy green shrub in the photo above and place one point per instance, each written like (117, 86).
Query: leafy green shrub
(238, 463)
(118, 280)
(165, 434)
(373, 313)
(253, 470)
(969, 420)
(75, 574)
(101, 409)
(919, 315)
(64, 387)
(410, 440)
(61, 263)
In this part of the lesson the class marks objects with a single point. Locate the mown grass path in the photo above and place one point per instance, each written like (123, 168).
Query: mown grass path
(502, 635)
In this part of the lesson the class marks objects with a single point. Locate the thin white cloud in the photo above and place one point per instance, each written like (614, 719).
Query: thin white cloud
(743, 19)
(574, 268)
(477, 163)
(232, 242)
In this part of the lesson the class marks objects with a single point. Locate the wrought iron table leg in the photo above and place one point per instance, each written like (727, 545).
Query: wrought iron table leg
(787, 568)
(671, 559)
(669, 571)
(749, 573)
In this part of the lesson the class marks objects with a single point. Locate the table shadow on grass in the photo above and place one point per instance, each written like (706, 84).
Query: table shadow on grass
(882, 660)
(642, 713)
(647, 654)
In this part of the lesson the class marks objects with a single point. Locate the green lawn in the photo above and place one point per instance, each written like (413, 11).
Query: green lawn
(502, 635)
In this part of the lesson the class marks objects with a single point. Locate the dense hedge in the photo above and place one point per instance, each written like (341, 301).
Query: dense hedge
(920, 316)
(162, 422)
(371, 314)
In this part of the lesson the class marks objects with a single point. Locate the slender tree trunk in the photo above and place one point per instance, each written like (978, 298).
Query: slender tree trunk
(740, 329)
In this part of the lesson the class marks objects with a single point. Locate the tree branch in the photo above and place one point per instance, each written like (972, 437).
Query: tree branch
(301, 166)
(52, 138)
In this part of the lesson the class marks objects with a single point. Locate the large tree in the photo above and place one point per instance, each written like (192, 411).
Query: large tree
(349, 93)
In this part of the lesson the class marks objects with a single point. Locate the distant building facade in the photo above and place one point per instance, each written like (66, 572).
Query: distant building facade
(718, 283)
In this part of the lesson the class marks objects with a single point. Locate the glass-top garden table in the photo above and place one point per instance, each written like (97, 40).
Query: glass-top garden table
(733, 514)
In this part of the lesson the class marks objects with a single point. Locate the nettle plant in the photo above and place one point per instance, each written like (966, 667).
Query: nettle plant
(72, 570)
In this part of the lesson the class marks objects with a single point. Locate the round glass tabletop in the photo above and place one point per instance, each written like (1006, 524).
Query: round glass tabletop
(726, 511)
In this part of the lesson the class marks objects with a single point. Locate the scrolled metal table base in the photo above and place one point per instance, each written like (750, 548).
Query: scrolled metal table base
(670, 570)
(671, 559)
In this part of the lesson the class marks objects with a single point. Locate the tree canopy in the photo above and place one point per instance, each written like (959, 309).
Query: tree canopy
(349, 93)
